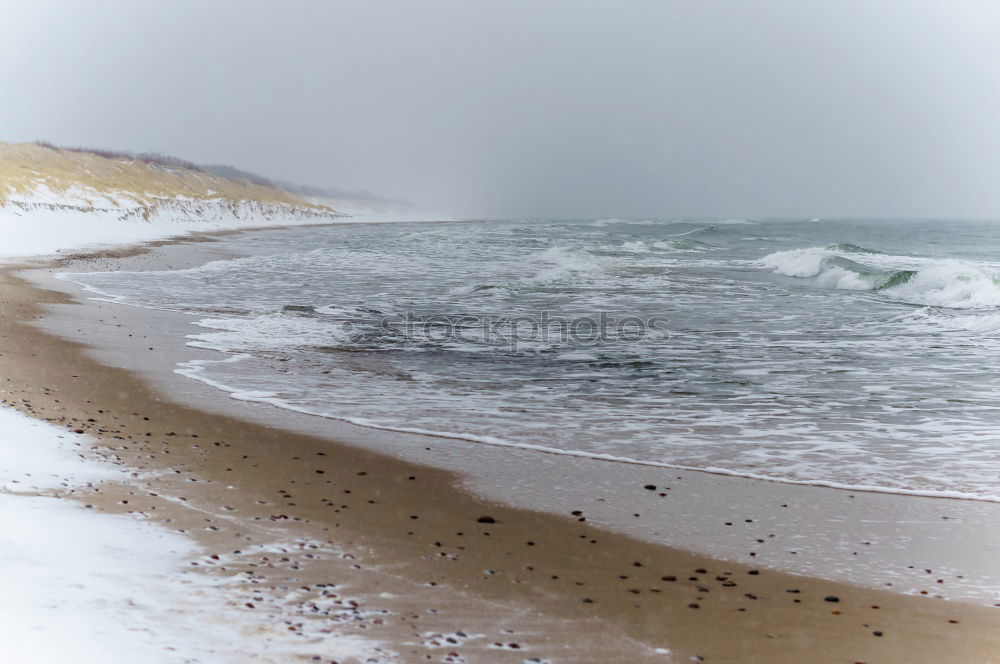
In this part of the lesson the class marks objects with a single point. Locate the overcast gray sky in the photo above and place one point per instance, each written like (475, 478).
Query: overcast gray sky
(736, 108)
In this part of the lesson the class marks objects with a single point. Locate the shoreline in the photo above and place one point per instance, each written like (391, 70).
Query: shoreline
(160, 263)
(454, 503)
(593, 456)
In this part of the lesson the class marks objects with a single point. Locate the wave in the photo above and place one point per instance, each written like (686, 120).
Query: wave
(569, 262)
(952, 285)
(702, 229)
(932, 321)
(634, 245)
(276, 331)
(634, 222)
(949, 283)
(195, 369)
(670, 244)
(831, 269)
(680, 244)
(848, 248)
(613, 221)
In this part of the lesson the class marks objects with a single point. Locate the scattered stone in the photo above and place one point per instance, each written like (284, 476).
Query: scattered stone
(486, 519)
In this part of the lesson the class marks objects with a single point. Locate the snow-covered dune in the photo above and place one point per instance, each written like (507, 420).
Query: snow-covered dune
(55, 199)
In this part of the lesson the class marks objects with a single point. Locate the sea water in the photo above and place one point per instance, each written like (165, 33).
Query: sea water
(846, 353)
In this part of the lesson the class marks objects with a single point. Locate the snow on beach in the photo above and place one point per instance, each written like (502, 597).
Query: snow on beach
(78, 585)
(47, 223)
(83, 586)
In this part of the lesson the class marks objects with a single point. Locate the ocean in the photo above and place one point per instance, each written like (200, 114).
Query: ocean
(848, 353)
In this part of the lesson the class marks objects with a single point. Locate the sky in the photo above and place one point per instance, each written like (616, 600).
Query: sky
(541, 108)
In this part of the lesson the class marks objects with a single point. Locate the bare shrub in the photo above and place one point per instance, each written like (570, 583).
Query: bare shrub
(151, 158)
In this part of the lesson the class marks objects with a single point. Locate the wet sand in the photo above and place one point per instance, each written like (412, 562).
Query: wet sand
(437, 567)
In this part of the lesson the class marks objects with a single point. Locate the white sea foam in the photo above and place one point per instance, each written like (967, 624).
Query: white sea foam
(950, 284)
(797, 262)
(635, 245)
(839, 277)
(196, 369)
(933, 320)
(569, 262)
(678, 245)
(274, 330)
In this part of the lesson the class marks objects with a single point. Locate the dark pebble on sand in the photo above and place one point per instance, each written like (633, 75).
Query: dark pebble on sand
(877, 633)
(650, 487)
(486, 519)
(831, 598)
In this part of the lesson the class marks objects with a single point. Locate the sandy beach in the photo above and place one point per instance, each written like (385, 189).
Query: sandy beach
(500, 333)
(445, 550)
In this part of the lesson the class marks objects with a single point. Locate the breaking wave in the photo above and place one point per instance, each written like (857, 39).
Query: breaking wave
(951, 284)
(563, 263)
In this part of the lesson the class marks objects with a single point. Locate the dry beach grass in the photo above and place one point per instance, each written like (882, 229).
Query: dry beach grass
(130, 179)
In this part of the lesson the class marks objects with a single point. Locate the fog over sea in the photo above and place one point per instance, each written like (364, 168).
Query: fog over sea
(836, 352)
